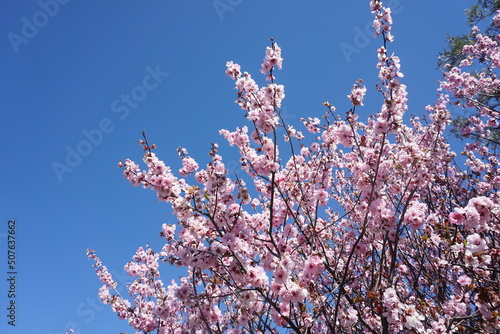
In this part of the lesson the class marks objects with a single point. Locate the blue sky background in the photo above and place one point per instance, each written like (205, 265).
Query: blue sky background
(60, 82)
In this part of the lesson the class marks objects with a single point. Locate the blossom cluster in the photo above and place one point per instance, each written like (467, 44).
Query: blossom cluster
(260, 103)
(383, 20)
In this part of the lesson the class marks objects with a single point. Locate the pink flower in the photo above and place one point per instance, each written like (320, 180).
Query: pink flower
(294, 293)
(390, 298)
(313, 267)
(280, 276)
(361, 248)
(349, 317)
(483, 308)
(476, 244)
(483, 206)
(272, 58)
(132, 269)
(104, 294)
(233, 70)
(472, 217)
(375, 5)
(455, 307)
(321, 196)
(457, 217)
(496, 18)
(257, 277)
(229, 239)
(168, 231)
(464, 280)
(344, 136)
(189, 166)
(381, 126)
(357, 95)
(415, 215)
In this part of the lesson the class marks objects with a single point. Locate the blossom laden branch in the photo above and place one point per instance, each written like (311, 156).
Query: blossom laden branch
(362, 225)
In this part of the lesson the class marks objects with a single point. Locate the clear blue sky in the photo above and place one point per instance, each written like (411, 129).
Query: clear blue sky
(69, 75)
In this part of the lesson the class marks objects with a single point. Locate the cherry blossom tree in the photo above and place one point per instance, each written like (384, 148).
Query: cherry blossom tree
(484, 13)
(478, 14)
(359, 226)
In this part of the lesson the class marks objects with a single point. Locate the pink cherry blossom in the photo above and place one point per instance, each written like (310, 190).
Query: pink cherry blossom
(464, 280)
(357, 95)
(475, 243)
